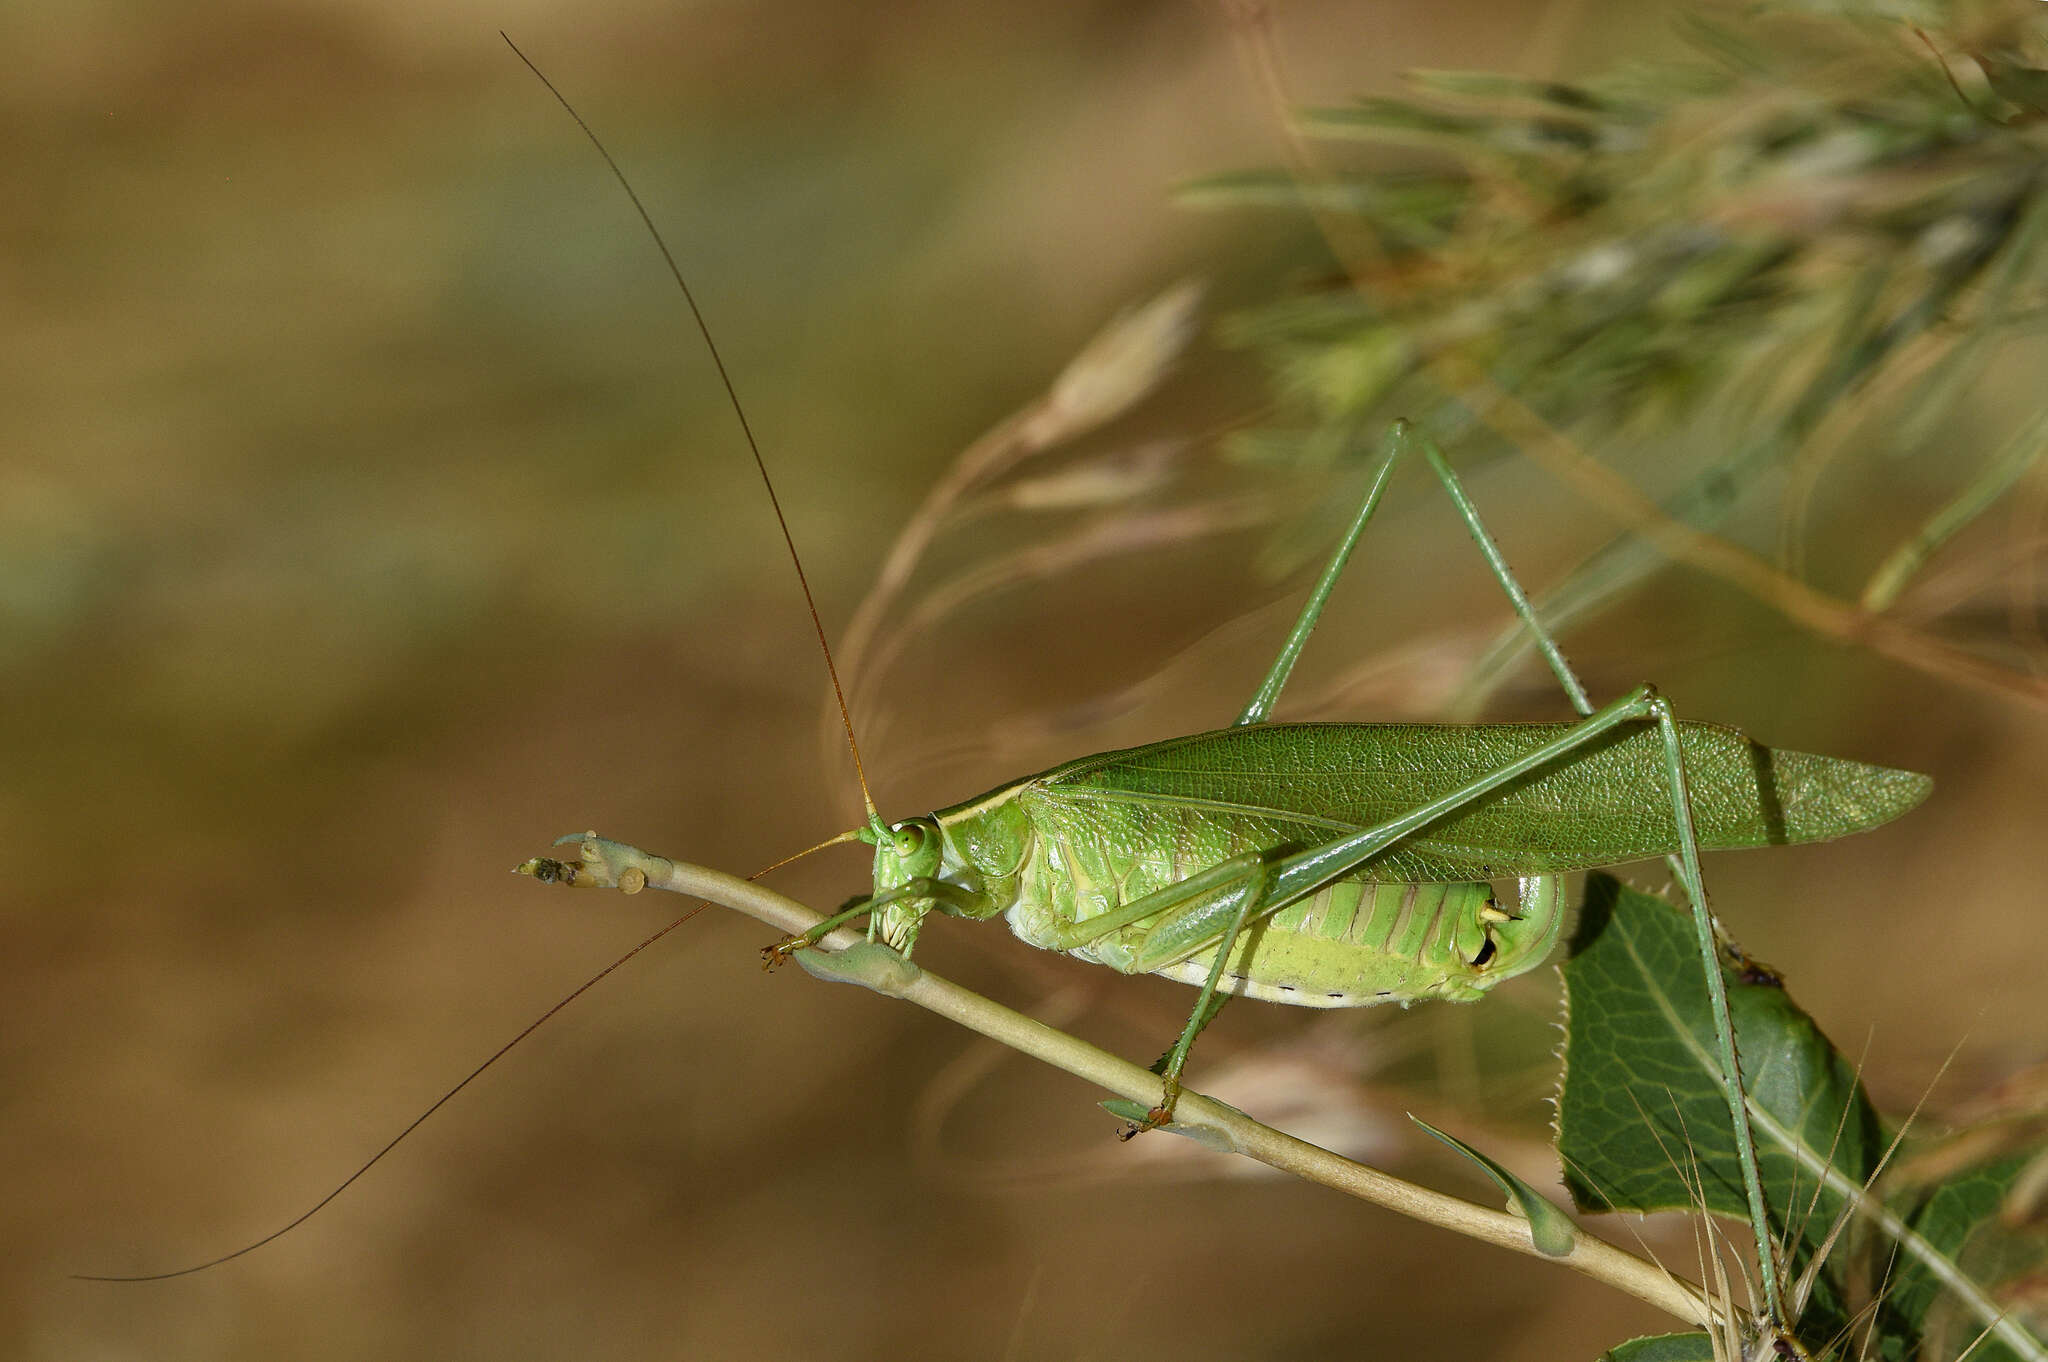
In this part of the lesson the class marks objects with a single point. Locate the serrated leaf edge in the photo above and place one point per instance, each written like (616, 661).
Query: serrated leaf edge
(1997, 1321)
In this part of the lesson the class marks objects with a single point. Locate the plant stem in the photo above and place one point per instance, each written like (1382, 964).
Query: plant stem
(607, 864)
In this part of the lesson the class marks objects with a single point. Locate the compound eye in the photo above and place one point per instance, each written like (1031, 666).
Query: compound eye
(909, 836)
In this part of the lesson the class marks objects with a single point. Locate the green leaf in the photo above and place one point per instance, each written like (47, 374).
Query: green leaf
(1415, 212)
(1642, 1116)
(1550, 1229)
(2015, 81)
(1663, 1348)
(867, 963)
(1497, 85)
(1975, 1216)
(1642, 1126)
(1642, 1123)
(1135, 1113)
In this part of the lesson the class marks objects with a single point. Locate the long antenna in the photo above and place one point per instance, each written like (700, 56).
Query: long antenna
(472, 1076)
(394, 1141)
(874, 818)
(732, 395)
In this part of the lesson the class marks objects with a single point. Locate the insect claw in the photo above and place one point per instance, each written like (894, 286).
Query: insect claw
(782, 952)
(1161, 1115)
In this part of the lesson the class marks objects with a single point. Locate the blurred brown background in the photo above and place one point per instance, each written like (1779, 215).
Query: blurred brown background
(369, 515)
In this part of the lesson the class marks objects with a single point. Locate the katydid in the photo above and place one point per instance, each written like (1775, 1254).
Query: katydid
(1331, 865)
(1343, 865)
(1347, 864)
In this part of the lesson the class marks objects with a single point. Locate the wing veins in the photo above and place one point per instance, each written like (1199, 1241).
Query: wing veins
(1106, 795)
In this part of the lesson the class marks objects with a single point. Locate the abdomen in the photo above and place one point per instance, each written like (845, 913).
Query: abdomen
(1358, 942)
(1352, 943)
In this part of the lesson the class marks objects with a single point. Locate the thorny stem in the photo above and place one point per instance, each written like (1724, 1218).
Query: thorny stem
(604, 863)
(1727, 1062)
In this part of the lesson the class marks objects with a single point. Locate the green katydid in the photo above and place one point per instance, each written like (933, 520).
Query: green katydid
(1341, 864)
(1347, 864)
(1334, 864)
(1344, 865)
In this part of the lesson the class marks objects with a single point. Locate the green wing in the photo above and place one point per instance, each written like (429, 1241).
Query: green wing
(1604, 804)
